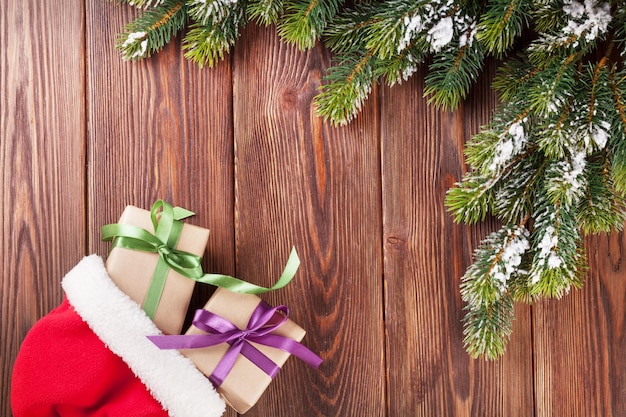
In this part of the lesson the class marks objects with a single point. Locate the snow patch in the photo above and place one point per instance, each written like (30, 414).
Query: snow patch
(511, 257)
(600, 134)
(441, 34)
(588, 19)
(413, 25)
(511, 144)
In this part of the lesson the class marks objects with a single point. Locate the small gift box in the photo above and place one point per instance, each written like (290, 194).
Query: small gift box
(149, 260)
(239, 342)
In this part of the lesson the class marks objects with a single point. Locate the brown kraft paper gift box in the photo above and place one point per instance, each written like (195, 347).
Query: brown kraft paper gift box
(245, 383)
(132, 270)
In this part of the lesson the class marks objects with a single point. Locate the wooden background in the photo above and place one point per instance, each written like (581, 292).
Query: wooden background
(84, 134)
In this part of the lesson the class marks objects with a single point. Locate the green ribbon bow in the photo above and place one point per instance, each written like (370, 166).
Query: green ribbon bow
(167, 229)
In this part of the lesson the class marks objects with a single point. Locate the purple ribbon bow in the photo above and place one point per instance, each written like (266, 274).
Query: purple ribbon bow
(264, 320)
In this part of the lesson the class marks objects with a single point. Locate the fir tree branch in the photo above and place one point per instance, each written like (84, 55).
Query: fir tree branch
(504, 139)
(497, 30)
(142, 3)
(485, 281)
(559, 260)
(548, 16)
(619, 131)
(514, 69)
(305, 20)
(594, 85)
(152, 30)
(553, 81)
(391, 32)
(602, 209)
(488, 328)
(265, 12)
(470, 200)
(349, 85)
(207, 45)
(213, 12)
(555, 137)
(451, 77)
(399, 68)
(215, 31)
(347, 34)
(485, 289)
(517, 191)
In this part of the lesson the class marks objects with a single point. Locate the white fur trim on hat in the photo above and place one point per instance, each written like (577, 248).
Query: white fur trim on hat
(122, 325)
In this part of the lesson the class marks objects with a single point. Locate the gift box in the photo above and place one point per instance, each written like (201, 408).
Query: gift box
(133, 270)
(246, 381)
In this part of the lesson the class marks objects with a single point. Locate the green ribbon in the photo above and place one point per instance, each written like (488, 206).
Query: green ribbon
(167, 227)
(244, 287)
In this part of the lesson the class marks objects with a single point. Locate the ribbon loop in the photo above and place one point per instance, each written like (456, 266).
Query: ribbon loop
(264, 320)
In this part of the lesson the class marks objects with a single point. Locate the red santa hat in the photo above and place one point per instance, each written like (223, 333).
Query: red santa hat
(90, 357)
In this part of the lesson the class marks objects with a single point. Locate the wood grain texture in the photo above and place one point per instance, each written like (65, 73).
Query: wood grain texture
(580, 340)
(300, 182)
(83, 133)
(159, 128)
(42, 136)
(429, 372)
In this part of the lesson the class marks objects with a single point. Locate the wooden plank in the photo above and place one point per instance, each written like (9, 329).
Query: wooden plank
(42, 131)
(580, 340)
(300, 182)
(429, 372)
(159, 128)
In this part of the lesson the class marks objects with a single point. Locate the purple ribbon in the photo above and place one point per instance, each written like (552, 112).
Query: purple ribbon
(264, 320)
